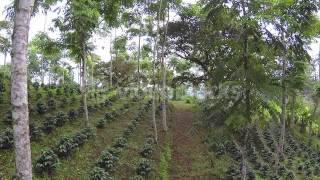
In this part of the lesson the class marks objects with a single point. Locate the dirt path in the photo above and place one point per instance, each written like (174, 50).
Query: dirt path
(189, 156)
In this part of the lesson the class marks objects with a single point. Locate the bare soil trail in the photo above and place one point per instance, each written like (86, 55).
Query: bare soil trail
(190, 158)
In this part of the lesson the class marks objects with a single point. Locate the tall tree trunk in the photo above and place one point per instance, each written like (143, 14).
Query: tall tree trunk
(92, 83)
(319, 68)
(283, 107)
(139, 55)
(319, 65)
(84, 90)
(174, 97)
(42, 71)
(154, 94)
(293, 118)
(164, 79)
(111, 61)
(5, 59)
(19, 89)
(247, 85)
(246, 64)
(49, 74)
(154, 123)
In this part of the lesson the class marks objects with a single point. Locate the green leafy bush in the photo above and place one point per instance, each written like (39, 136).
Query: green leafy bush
(144, 167)
(101, 123)
(41, 108)
(51, 103)
(35, 132)
(49, 124)
(121, 142)
(232, 173)
(72, 115)
(109, 116)
(64, 102)
(38, 95)
(6, 139)
(82, 136)
(49, 93)
(89, 132)
(8, 118)
(138, 177)
(107, 161)
(98, 173)
(58, 92)
(47, 162)
(65, 146)
(79, 139)
(107, 103)
(61, 119)
(147, 150)
(36, 85)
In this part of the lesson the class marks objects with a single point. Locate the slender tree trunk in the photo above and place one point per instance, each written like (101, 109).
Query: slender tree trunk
(111, 61)
(84, 90)
(246, 64)
(49, 74)
(139, 55)
(247, 83)
(164, 79)
(42, 71)
(174, 93)
(19, 89)
(247, 86)
(45, 22)
(154, 95)
(5, 59)
(319, 69)
(164, 99)
(92, 83)
(293, 118)
(283, 107)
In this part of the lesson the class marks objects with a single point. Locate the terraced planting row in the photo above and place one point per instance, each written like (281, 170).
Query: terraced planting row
(105, 166)
(131, 155)
(263, 160)
(70, 128)
(78, 163)
(49, 124)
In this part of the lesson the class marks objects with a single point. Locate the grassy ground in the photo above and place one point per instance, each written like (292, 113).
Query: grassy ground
(129, 159)
(79, 165)
(7, 167)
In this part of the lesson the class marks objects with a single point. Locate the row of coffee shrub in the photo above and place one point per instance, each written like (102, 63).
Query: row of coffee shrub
(47, 162)
(108, 159)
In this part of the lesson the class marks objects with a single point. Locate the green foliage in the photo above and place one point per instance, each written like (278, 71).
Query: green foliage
(51, 103)
(147, 150)
(47, 162)
(41, 108)
(65, 146)
(35, 132)
(165, 159)
(8, 118)
(144, 167)
(235, 122)
(6, 139)
(98, 173)
(61, 119)
(121, 142)
(49, 124)
(138, 177)
(107, 161)
(72, 115)
(101, 123)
